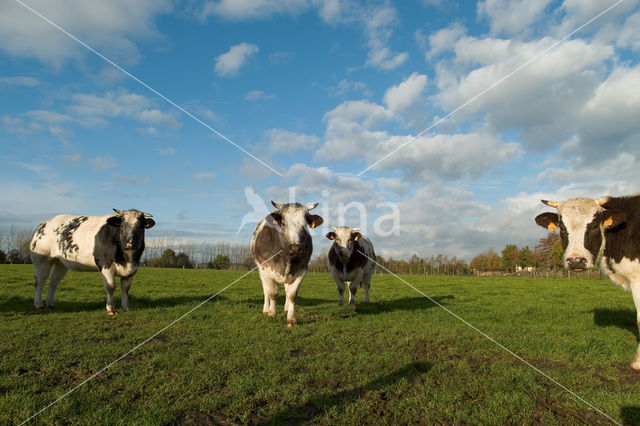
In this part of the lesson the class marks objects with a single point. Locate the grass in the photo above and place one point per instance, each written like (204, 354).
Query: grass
(399, 359)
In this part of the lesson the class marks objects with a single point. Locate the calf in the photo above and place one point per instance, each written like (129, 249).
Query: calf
(282, 247)
(605, 233)
(111, 244)
(350, 260)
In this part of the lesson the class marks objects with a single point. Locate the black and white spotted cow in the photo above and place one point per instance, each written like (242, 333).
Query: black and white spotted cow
(111, 244)
(282, 247)
(604, 232)
(350, 260)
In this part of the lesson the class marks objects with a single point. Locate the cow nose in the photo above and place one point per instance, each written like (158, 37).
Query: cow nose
(577, 262)
(344, 253)
(128, 244)
(295, 248)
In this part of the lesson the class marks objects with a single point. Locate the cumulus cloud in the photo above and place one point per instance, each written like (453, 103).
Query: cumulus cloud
(281, 140)
(379, 22)
(511, 17)
(114, 27)
(228, 64)
(400, 97)
(239, 10)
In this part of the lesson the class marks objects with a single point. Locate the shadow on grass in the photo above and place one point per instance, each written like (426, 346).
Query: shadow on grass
(630, 415)
(621, 318)
(318, 405)
(25, 305)
(404, 304)
(300, 301)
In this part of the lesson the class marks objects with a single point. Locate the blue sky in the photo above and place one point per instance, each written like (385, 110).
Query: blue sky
(320, 90)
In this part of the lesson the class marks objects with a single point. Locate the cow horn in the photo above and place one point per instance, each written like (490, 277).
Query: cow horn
(355, 229)
(117, 211)
(603, 200)
(555, 204)
(147, 214)
(335, 229)
(312, 206)
(276, 205)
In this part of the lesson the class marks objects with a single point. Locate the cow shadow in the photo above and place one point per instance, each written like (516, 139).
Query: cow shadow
(300, 301)
(630, 415)
(403, 304)
(318, 405)
(621, 318)
(25, 305)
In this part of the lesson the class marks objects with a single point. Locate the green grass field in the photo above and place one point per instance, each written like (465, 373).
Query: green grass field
(400, 359)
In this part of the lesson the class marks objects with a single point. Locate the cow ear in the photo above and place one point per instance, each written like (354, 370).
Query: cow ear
(331, 235)
(274, 218)
(314, 220)
(148, 223)
(548, 220)
(114, 221)
(356, 236)
(612, 219)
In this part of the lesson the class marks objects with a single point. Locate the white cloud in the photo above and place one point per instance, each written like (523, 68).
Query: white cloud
(400, 97)
(281, 140)
(511, 17)
(104, 163)
(228, 64)
(204, 176)
(238, 10)
(346, 86)
(259, 95)
(379, 22)
(444, 40)
(20, 81)
(168, 151)
(629, 36)
(112, 26)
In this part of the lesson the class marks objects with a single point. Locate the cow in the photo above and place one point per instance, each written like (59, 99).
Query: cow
(603, 232)
(111, 244)
(282, 247)
(351, 260)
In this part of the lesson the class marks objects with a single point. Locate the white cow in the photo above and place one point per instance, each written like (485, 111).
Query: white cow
(111, 244)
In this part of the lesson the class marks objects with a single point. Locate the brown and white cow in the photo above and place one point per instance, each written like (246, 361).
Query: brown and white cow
(604, 232)
(282, 247)
(350, 261)
(111, 244)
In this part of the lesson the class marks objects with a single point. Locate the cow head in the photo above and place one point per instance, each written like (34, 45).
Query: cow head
(344, 240)
(582, 223)
(131, 225)
(292, 220)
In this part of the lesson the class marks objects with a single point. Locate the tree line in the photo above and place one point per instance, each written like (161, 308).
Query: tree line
(546, 255)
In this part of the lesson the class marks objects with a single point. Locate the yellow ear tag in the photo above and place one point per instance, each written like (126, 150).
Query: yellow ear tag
(552, 226)
(608, 222)
(356, 238)
(313, 225)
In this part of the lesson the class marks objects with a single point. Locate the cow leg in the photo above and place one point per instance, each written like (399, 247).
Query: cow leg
(57, 274)
(292, 293)
(109, 281)
(340, 285)
(635, 292)
(41, 269)
(366, 283)
(353, 288)
(125, 285)
(270, 290)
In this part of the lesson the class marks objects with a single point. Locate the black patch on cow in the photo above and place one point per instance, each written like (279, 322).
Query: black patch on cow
(271, 240)
(593, 236)
(65, 235)
(38, 234)
(623, 240)
(357, 259)
(109, 243)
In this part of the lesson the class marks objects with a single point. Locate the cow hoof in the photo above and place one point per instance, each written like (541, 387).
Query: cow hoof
(38, 307)
(291, 323)
(124, 308)
(111, 313)
(341, 303)
(352, 305)
(271, 314)
(635, 365)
